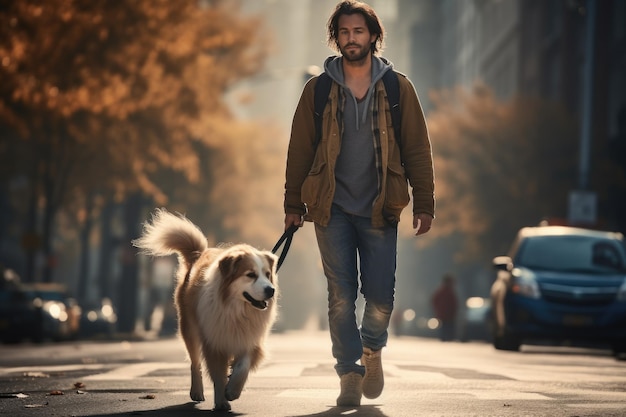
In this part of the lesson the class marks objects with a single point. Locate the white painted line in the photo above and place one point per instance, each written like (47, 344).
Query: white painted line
(134, 371)
(49, 369)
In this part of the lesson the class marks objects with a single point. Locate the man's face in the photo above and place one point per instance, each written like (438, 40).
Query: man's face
(354, 38)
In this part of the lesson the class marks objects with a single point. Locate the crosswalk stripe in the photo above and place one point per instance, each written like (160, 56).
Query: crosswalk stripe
(508, 395)
(49, 369)
(285, 370)
(134, 371)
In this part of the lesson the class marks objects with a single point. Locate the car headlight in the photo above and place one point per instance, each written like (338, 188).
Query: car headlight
(524, 284)
(621, 293)
(56, 310)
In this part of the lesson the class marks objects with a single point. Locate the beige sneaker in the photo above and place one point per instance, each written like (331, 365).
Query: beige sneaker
(374, 381)
(351, 390)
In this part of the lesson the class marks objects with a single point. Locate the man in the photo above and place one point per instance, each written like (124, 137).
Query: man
(445, 305)
(353, 186)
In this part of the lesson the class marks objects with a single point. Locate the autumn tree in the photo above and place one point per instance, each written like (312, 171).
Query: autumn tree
(100, 98)
(499, 166)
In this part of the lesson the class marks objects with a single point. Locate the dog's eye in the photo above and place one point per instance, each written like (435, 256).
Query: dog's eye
(267, 274)
(251, 274)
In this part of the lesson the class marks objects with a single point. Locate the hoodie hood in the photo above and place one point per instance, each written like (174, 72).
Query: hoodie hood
(333, 66)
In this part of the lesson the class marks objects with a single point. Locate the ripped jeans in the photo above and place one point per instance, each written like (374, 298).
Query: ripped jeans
(346, 238)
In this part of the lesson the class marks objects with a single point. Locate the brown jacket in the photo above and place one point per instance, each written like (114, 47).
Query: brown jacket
(310, 174)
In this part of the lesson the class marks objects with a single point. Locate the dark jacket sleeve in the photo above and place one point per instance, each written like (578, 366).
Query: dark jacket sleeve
(416, 150)
(301, 149)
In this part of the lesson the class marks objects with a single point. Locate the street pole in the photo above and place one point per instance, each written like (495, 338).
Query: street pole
(587, 97)
(582, 202)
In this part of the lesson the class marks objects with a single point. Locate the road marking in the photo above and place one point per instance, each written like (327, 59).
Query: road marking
(283, 369)
(506, 395)
(395, 371)
(135, 370)
(309, 393)
(50, 368)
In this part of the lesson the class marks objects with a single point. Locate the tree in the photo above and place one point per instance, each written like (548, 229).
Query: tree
(103, 97)
(499, 166)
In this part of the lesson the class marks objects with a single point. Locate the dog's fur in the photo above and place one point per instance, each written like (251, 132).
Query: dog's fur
(226, 302)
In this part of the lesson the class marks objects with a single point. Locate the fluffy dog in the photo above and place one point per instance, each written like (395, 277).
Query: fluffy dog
(226, 302)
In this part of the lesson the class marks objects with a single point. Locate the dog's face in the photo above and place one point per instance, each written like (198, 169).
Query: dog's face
(248, 275)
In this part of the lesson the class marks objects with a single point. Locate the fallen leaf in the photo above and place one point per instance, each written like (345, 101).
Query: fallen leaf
(149, 397)
(17, 395)
(36, 375)
(79, 385)
(56, 392)
(81, 392)
(35, 405)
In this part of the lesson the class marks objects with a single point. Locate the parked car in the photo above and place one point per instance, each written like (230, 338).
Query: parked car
(98, 320)
(475, 323)
(561, 284)
(37, 312)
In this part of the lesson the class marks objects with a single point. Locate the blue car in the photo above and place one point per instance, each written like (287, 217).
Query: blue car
(561, 284)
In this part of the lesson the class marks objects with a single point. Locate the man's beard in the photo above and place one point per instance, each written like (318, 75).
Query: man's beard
(356, 55)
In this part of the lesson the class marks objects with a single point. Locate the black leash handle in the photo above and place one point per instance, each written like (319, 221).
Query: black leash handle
(287, 237)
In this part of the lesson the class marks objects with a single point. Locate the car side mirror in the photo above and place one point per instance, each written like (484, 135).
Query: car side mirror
(503, 263)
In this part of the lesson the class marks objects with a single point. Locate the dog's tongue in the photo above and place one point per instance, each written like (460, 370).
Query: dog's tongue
(261, 305)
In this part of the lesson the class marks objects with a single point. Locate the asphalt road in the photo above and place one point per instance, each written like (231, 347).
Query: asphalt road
(424, 377)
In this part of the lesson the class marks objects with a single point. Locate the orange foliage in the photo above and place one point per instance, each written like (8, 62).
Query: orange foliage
(106, 96)
(498, 165)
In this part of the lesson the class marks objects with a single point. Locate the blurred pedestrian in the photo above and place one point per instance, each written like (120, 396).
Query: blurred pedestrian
(352, 184)
(445, 306)
(160, 290)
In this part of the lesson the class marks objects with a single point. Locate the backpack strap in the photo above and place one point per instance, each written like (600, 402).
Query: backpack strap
(322, 90)
(392, 87)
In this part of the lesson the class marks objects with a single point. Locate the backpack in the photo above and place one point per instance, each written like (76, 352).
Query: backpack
(392, 87)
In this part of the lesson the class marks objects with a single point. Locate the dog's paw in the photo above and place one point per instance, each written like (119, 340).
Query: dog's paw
(232, 395)
(237, 381)
(234, 387)
(222, 406)
(196, 395)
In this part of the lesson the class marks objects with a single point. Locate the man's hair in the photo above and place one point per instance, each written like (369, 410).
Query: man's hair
(349, 7)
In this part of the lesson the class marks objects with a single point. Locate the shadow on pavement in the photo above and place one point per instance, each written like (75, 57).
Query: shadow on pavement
(190, 409)
(180, 410)
(362, 411)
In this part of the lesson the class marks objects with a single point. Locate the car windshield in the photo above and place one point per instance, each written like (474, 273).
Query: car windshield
(572, 254)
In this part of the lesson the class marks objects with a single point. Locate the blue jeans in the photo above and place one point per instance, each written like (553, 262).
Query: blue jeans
(345, 237)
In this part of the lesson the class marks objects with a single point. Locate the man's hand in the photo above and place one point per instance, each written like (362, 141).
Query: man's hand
(422, 223)
(293, 219)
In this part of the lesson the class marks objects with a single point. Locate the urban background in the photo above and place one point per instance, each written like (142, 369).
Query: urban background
(111, 109)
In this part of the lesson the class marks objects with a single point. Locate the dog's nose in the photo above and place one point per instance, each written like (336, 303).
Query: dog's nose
(269, 292)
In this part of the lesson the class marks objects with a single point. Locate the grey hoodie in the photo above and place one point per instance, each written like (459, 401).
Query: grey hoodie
(334, 68)
(356, 176)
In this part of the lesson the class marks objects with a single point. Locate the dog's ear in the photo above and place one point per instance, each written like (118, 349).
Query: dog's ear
(229, 263)
(272, 260)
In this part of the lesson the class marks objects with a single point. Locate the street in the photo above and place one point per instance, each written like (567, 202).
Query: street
(423, 377)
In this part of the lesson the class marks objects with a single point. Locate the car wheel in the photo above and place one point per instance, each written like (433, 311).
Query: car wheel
(507, 342)
(619, 351)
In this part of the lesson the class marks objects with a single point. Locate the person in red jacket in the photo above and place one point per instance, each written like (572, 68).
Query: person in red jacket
(445, 306)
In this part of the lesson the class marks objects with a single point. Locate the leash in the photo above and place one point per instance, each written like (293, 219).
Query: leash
(286, 238)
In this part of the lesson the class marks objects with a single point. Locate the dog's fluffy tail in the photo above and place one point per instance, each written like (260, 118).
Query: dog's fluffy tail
(168, 234)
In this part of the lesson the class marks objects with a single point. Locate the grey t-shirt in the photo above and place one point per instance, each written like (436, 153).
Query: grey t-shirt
(355, 172)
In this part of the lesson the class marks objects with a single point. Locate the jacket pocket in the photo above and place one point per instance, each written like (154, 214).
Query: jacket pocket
(397, 192)
(314, 185)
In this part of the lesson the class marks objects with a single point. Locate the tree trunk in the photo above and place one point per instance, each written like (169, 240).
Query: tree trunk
(83, 269)
(31, 240)
(107, 246)
(128, 287)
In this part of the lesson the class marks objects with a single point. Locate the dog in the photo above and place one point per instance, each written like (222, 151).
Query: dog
(226, 299)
